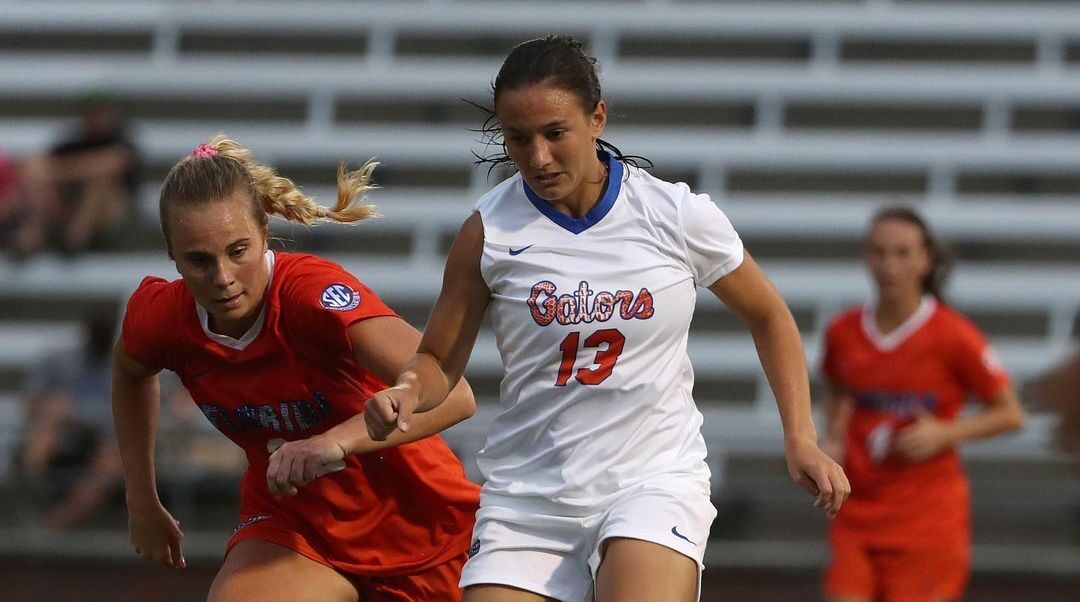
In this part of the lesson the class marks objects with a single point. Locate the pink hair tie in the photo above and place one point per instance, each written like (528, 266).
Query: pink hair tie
(204, 150)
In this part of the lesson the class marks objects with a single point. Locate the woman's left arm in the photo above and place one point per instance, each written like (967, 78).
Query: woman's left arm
(382, 345)
(750, 295)
(928, 436)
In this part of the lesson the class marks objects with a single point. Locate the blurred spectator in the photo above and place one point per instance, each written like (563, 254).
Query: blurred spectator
(190, 448)
(1058, 390)
(68, 457)
(9, 197)
(83, 187)
(197, 467)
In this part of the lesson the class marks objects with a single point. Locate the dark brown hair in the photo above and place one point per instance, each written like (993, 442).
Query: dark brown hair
(560, 62)
(940, 257)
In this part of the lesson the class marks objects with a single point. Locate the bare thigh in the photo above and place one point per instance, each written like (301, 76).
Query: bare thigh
(501, 593)
(633, 569)
(260, 570)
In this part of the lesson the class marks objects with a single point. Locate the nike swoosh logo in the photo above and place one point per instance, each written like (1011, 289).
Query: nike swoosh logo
(514, 251)
(675, 532)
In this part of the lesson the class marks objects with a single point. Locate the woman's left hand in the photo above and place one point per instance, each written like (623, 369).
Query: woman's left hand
(923, 439)
(818, 474)
(298, 463)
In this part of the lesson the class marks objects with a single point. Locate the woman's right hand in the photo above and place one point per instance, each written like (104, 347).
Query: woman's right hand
(818, 474)
(155, 534)
(389, 409)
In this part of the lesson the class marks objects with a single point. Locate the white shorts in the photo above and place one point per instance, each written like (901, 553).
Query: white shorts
(558, 556)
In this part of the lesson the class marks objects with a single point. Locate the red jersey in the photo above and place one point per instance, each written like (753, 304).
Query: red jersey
(395, 511)
(931, 362)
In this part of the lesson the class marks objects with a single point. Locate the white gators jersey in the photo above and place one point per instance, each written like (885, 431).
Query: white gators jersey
(591, 317)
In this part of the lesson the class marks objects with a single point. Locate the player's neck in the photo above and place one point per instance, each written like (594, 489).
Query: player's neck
(235, 329)
(582, 201)
(893, 312)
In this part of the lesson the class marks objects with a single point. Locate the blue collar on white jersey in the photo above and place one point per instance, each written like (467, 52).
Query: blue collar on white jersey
(577, 225)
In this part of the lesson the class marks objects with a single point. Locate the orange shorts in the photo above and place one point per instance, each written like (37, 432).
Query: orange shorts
(896, 575)
(439, 582)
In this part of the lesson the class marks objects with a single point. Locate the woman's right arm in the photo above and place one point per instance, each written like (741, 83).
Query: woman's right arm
(447, 342)
(838, 409)
(154, 532)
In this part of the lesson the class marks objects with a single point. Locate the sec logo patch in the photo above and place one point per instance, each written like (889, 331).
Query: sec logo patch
(339, 297)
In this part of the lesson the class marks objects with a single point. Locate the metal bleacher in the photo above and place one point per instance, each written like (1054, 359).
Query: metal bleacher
(799, 118)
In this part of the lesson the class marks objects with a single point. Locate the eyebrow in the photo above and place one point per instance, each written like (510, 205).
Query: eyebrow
(198, 254)
(546, 126)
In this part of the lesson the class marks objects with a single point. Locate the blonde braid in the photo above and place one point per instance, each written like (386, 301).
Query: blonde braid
(353, 186)
(279, 195)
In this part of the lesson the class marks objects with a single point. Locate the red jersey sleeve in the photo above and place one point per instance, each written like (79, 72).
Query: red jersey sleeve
(320, 300)
(149, 332)
(975, 362)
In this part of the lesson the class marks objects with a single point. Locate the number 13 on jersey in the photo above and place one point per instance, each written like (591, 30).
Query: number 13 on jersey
(609, 345)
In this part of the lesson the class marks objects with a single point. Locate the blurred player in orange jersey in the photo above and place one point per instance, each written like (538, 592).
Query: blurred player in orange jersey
(284, 346)
(899, 370)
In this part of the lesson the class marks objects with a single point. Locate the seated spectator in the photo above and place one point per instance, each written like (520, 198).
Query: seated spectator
(83, 187)
(1058, 390)
(189, 447)
(68, 458)
(9, 197)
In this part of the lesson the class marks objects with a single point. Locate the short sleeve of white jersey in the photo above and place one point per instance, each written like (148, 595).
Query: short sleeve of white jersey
(713, 248)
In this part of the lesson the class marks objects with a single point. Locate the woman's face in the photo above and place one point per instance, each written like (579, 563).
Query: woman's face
(897, 257)
(219, 251)
(552, 141)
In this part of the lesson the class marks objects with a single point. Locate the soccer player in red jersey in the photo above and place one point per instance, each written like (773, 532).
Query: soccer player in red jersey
(899, 370)
(288, 346)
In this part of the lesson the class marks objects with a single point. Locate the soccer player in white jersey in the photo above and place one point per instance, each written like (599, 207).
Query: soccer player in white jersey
(595, 474)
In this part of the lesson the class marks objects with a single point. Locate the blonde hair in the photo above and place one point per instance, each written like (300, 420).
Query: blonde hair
(222, 166)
